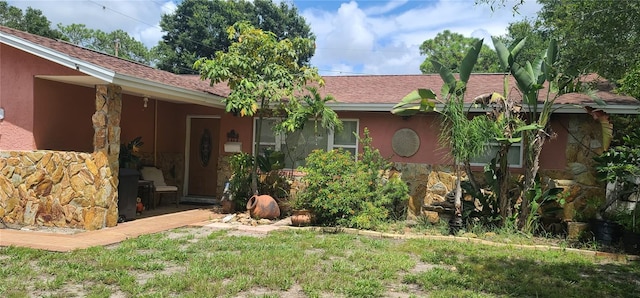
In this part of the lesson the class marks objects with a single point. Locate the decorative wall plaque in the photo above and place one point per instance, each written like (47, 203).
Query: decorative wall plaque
(405, 142)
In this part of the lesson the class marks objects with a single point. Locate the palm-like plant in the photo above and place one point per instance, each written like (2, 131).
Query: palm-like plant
(466, 138)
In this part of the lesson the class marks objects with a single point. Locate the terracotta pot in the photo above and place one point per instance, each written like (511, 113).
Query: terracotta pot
(263, 206)
(228, 206)
(301, 218)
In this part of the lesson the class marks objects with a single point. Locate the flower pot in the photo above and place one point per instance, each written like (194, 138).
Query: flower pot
(301, 218)
(606, 232)
(228, 206)
(263, 206)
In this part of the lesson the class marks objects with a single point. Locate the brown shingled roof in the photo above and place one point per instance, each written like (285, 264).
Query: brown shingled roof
(371, 89)
(390, 89)
(115, 64)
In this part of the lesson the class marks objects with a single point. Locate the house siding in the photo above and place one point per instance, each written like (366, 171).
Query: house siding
(16, 95)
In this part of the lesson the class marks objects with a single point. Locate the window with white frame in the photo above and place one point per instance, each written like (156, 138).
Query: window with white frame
(514, 157)
(298, 144)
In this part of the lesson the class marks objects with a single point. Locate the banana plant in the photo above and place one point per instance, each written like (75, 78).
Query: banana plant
(455, 124)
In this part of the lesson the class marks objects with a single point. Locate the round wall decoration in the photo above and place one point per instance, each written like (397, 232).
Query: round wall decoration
(405, 142)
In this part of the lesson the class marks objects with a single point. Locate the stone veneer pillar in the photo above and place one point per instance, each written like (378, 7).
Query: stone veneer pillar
(106, 124)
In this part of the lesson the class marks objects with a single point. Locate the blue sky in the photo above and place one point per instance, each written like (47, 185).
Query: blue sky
(364, 37)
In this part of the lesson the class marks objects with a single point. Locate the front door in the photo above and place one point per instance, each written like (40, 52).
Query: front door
(203, 156)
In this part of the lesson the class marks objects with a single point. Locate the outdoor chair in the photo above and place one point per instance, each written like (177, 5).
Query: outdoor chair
(160, 187)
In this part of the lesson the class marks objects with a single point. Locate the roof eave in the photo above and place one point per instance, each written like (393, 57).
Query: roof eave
(151, 88)
(558, 108)
(57, 57)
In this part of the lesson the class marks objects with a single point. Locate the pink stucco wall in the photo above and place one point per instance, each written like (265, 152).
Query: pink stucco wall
(16, 95)
(62, 116)
(383, 125)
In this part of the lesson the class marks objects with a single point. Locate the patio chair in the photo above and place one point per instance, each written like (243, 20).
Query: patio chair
(160, 187)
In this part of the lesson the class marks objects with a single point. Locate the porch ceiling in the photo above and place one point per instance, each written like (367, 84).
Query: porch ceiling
(144, 89)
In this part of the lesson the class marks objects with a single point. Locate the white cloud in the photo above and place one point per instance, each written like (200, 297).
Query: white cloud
(368, 37)
(345, 34)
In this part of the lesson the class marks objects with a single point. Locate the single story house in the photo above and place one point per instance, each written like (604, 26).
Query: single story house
(65, 111)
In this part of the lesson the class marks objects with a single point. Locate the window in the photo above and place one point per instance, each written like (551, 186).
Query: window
(298, 144)
(514, 157)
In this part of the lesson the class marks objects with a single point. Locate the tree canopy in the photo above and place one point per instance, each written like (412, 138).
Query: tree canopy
(127, 47)
(598, 36)
(32, 20)
(536, 40)
(262, 71)
(449, 48)
(197, 29)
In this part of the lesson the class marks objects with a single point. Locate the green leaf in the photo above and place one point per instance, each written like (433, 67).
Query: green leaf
(470, 60)
(445, 74)
(533, 126)
(420, 100)
(510, 140)
(504, 55)
(524, 80)
(516, 47)
(552, 53)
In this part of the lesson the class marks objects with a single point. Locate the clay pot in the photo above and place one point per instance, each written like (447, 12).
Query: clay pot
(301, 218)
(263, 206)
(228, 206)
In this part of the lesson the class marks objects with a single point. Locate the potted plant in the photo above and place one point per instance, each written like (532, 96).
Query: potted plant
(629, 219)
(583, 212)
(128, 157)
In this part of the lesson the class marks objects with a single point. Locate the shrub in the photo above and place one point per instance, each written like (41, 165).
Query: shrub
(345, 192)
(272, 182)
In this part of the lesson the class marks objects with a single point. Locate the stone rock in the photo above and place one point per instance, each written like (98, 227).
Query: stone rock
(34, 178)
(43, 189)
(94, 218)
(586, 178)
(264, 221)
(439, 189)
(6, 187)
(57, 174)
(432, 217)
(30, 211)
(414, 207)
(577, 168)
(80, 202)
(11, 204)
(78, 184)
(112, 216)
(447, 179)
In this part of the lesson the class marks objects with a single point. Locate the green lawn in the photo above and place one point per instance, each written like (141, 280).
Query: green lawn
(197, 262)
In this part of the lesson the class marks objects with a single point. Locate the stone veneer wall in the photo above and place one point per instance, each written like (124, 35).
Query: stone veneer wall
(428, 184)
(57, 189)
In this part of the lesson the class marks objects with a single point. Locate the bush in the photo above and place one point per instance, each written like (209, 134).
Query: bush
(271, 180)
(345, 192)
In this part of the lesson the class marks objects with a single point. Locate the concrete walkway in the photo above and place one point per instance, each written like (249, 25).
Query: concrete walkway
(68, 242)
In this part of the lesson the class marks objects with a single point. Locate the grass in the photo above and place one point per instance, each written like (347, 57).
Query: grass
(298, 263)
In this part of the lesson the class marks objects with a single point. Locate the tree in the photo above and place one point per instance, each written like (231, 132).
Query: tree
(262, 72)
(598, 36)
(448, 48)
(197, 29)
(31, 21)
(118, 43)
(466, 138)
